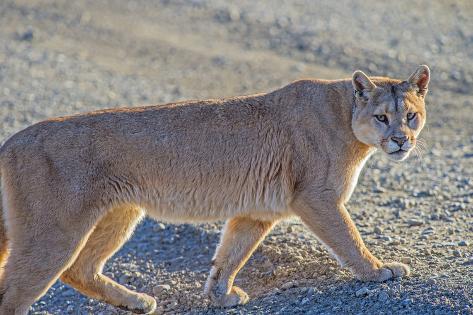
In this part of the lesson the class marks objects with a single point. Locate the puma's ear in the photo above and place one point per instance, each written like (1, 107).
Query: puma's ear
(362, 85)
(420, 79)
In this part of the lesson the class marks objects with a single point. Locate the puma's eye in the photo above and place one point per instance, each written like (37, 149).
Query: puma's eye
(381, 118)
(411, 116)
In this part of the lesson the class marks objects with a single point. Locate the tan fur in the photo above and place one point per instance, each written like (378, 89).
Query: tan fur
(75, 187)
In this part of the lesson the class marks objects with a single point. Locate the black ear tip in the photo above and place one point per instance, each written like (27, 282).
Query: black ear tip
(424, 69)
(358, 73)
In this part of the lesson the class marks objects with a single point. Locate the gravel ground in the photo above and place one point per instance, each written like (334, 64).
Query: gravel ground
(63, 57)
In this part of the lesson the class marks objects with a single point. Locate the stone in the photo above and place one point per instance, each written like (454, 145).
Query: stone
(432, 281)
(305, 301)
(288, 285)
(414, 222)
(406, 260)
(27, 35)
(383, 296)
(160, 288)
(362, 292)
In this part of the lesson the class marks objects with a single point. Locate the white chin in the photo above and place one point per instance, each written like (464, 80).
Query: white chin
(398, 155)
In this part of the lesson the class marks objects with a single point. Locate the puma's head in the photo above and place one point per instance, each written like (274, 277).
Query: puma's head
(390, 114)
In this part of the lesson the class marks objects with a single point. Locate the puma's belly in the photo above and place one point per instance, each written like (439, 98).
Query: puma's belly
(179, 204)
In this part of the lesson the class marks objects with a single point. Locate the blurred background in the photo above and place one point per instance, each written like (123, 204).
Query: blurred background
(65, 57)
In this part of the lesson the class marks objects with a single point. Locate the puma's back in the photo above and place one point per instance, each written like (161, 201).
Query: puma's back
(198, 160)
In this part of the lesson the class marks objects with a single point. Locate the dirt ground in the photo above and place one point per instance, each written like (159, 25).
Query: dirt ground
(64, 57)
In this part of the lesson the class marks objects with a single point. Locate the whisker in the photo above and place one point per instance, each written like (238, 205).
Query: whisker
(419, 154)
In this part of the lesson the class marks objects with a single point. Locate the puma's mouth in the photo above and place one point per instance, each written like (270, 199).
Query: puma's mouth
(398, 151)
(398, 155)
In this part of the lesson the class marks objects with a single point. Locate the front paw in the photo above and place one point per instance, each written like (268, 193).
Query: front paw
(140, 304)
(386, 271)
(236, 297)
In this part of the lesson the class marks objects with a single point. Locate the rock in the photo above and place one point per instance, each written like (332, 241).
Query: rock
(378, 230)
(160, 226)
(432, 281)
(123, 279)
(288, 285)
(26, 35)
(159, 289)
(310, 292)
(406, 260)
(379, 189)
(383, 296)
(463, 243)
(289, 229)
(428, 231)
(362, 292)
(406, 301)
(414, 222)
(231, 14)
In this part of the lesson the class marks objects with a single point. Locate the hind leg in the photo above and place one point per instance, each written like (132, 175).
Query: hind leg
(85, 274)
(240, 237)
(37, 257)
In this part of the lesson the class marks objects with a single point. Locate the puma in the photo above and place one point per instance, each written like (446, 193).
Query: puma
(74, 188)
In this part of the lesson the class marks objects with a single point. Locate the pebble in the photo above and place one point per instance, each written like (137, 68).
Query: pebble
(226, 15)
(362, 292)
(310, 292)
(463, 243)
(123, 279)
(432, 281)
(26, 35)
(383, 296)
(288, 285)
(427, 231)
(160, 288)
(414, 222)
(379, 189)
(406, 301)
(406, 260)
(160, 226)
(469, 262)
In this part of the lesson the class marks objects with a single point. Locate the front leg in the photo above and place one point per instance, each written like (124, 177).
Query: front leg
(331, 223)
(240, 237)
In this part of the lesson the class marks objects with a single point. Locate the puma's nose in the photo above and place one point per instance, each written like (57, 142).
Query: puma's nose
(399, 140)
